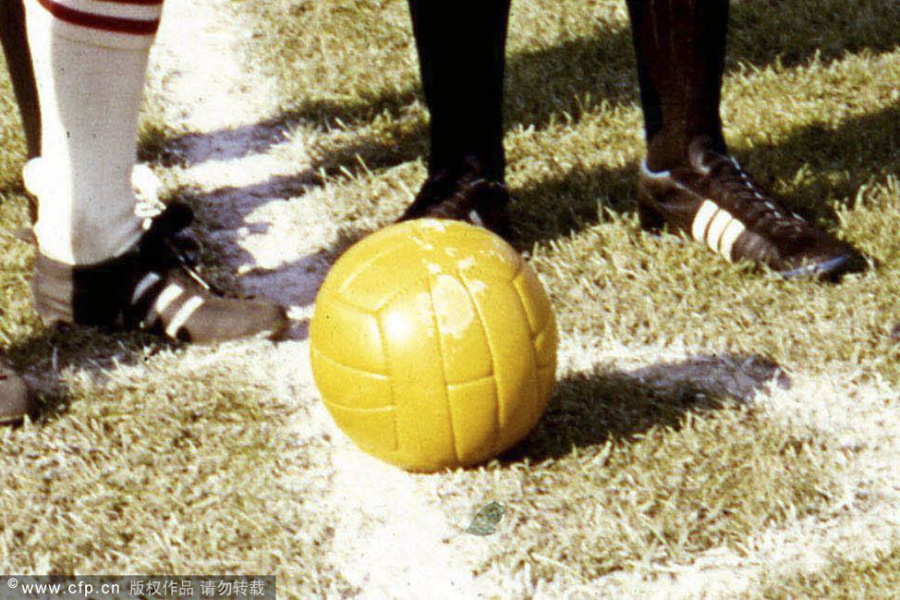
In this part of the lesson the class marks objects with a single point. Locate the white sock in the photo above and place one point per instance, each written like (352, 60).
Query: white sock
(90, 62)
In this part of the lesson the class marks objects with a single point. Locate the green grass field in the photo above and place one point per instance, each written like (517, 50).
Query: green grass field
(710, 420)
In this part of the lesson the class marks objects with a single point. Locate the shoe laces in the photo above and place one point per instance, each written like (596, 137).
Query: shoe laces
(750, 202)
(162, 248)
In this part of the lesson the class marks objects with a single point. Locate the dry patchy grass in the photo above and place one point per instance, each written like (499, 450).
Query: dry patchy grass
(177, 468)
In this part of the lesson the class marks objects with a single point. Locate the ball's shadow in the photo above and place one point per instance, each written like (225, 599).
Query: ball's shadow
(592, 407)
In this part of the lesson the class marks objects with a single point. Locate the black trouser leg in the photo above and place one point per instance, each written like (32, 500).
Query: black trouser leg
(18, 59)
(680, 47)
(461, 46)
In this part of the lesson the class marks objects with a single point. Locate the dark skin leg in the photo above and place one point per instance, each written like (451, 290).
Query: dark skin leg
(18, 60)
(14, 397)
(680, 48)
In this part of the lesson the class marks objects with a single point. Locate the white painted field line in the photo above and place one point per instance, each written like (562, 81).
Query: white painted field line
(248, 171)
(863, 419)
(389, 536)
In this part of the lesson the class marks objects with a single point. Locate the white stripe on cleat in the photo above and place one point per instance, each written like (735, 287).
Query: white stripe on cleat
(184, 313)
(717, 228)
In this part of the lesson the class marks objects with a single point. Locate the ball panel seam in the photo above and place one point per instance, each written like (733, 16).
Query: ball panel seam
(365, 265)
(493, 367)
(365, 372)
(440, 342)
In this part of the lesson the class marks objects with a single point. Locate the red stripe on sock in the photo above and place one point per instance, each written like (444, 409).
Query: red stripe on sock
(139, 2)
(112, 24)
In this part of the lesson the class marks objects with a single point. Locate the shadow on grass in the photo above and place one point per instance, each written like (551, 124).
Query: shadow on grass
(226, 212)
(564, 80)
(50, 352)
(591, 408)
(834, 163)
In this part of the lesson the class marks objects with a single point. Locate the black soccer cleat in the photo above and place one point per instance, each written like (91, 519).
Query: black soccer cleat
(715, 202)
(15, 400)
(463, 195)
(154, 288)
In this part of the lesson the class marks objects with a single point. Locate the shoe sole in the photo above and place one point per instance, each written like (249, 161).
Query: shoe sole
(829, 270)
(653, 224)
(832, 269)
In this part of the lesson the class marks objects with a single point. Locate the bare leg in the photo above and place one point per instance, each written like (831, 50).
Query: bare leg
(18, 60)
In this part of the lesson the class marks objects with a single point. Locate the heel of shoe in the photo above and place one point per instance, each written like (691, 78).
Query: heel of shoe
(651, 219)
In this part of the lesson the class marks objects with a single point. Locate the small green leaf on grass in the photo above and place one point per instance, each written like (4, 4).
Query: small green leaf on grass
(486, 520)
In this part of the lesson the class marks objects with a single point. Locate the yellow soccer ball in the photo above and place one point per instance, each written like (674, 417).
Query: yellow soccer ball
(433, 345)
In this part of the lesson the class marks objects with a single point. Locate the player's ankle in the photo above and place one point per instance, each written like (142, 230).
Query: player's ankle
(668, 150)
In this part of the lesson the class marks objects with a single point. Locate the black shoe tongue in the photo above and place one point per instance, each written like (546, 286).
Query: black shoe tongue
(176, 217)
